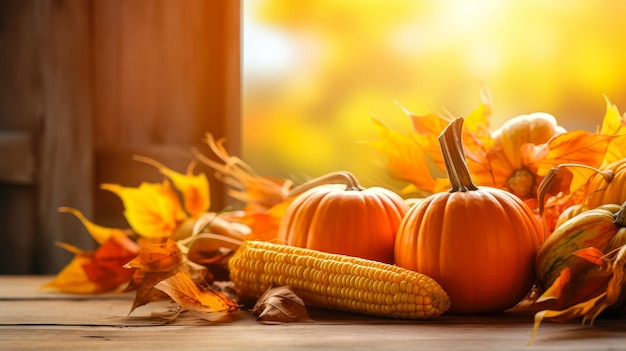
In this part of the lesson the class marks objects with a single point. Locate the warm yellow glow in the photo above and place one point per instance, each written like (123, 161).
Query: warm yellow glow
(315, 71)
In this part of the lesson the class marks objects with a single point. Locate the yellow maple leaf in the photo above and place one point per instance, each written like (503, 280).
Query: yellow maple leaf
(195, 189)
(153, 210)
(614, 124)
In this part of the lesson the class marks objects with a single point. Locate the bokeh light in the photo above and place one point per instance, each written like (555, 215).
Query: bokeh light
(316, 71)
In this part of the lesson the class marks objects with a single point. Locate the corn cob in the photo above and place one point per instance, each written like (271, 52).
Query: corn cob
(336, 282)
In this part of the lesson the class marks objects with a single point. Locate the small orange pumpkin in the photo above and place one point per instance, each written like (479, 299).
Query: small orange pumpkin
(343, 219)
(479, 243)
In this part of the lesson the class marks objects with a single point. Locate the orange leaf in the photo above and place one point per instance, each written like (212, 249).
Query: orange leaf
(407, 160)
(157, 257)
(591, 254)
(99, 271)
(143, 284)
(556, 289)
(106, 267)
(259, 193)
(578, 147)
(205, 302)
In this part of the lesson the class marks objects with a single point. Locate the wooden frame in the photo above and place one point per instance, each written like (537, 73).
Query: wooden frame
(89, 83)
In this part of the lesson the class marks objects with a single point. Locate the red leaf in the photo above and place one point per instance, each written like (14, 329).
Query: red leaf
(592, 255)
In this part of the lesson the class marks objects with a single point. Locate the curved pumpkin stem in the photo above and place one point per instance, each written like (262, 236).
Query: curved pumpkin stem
(341, 177)
(551, 176)
(620, 216)
(451, 142)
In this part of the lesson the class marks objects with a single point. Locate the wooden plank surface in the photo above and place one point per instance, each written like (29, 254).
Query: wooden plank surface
(36, 319)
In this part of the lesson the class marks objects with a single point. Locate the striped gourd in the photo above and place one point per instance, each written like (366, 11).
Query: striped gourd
(336, 282)
(602, 228)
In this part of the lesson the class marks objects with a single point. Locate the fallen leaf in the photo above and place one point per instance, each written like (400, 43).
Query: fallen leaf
(99, 271)
(205, 302)
(155, 262)
(280, 305)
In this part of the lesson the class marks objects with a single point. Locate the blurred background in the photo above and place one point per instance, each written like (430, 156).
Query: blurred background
(292, 85)
(314, 72)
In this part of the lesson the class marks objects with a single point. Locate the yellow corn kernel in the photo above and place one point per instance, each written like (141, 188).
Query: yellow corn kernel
(336, 282)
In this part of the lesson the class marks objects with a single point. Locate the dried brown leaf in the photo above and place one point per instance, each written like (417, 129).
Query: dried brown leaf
(280, 305)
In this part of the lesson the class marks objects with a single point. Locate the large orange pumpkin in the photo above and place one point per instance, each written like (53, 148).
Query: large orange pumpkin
(343, 218)
(479, 243)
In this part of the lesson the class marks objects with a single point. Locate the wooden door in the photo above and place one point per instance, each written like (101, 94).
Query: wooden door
(85, 85)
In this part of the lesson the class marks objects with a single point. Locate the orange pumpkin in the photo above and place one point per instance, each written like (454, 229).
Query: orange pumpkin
(479, 243)
(343, 219)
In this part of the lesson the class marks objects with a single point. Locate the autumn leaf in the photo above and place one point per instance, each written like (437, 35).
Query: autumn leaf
(195, 189)
(592, 255)
(155, 262)
(142, 283)
(99, 233)
(157, 256)
(245, 184)
(575, 147)
(280, 305)
(591, 307)
(153, 210)
(406, 159)
(205, 302)
(99, 271)
(72, 278)
(613, 123)
(555, 291)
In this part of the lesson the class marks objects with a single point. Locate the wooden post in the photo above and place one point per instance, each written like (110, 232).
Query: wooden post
(65, 156)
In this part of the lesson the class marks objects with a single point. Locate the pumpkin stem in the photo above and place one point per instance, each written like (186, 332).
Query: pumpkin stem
(451, 143)
(342, 177)
(620, 216)
(551, 176)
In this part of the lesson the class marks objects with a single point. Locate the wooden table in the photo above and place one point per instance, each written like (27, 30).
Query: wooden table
(35, 319)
